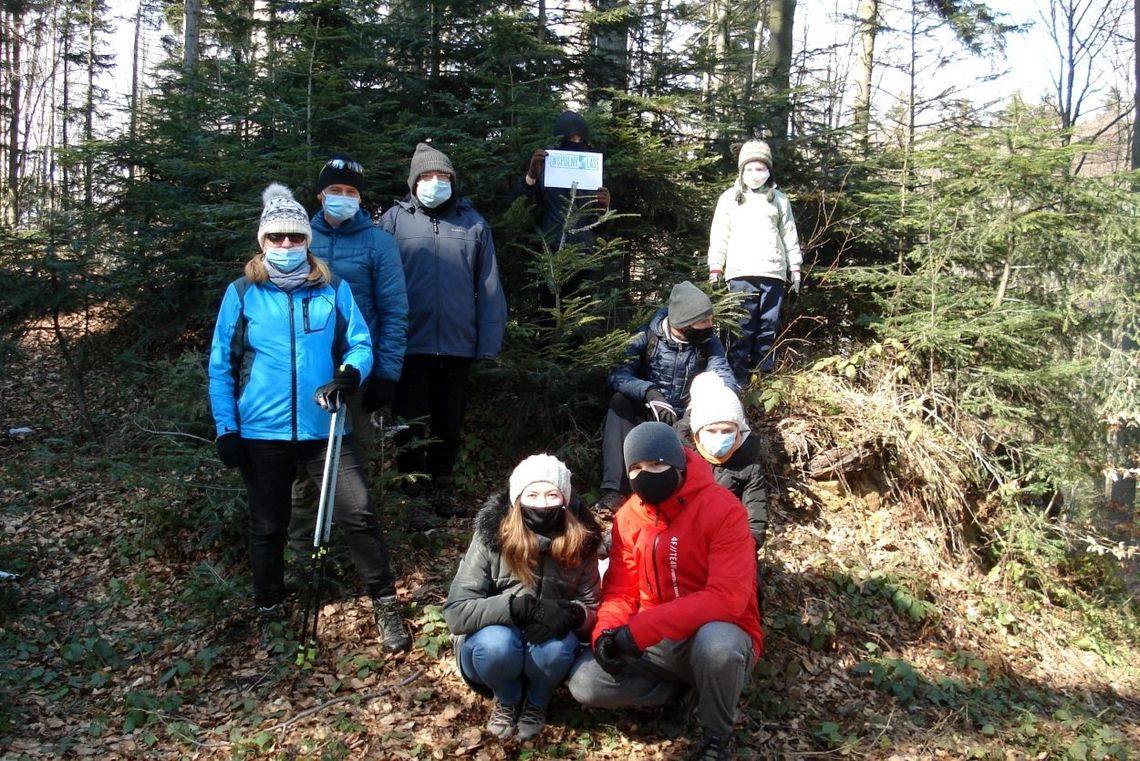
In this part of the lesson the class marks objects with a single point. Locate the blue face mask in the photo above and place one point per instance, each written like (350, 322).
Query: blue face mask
(717, 444)
(286, 260)
(433, 192)
(340, 208)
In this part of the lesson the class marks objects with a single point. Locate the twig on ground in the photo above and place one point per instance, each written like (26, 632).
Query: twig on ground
(144, 429)
(283, 726)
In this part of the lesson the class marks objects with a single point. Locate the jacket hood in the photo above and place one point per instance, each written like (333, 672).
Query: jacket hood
(494, 511)
(409, 204)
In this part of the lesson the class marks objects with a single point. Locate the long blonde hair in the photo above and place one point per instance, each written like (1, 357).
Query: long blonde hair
(520, 545)
(256, 272)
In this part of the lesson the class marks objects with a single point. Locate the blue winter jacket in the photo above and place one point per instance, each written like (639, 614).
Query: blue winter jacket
(672, 367)
(366, 257)
(268, 358)
(456, 305)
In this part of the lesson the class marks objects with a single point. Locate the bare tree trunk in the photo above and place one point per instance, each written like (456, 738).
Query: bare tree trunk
(133, 124)
(611, 46)
(191, 13)
(89, 123)
(12, 54)
(866, 28)
(781, 19)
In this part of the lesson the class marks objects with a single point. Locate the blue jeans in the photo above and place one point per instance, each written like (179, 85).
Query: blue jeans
(498, 658)
(762, 302)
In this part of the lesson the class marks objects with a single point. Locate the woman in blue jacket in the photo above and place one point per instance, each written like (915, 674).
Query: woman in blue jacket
(287, 332)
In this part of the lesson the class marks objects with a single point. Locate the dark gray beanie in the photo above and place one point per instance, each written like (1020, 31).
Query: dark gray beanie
(656, 442)
(428, 159)
(570, 123)
(688, 304)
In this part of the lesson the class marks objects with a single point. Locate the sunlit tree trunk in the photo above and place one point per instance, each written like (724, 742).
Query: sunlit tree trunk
(191, 13)
(867, 25)
(781, 19)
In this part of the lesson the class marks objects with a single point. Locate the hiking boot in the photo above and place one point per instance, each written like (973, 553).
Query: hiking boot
(502, 722)
(608, 503)
(531, 721)
(713, 748)
(271, 624)
(390, 624)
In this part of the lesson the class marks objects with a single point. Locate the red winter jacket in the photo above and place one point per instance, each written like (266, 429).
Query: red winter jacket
(676, 567)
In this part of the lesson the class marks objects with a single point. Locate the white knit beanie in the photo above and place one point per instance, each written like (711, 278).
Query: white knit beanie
(713, 402)
(540, 467)
(282, 214)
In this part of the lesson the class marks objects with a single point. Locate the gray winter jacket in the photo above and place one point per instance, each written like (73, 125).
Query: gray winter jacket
(456, 305)
(481, 591)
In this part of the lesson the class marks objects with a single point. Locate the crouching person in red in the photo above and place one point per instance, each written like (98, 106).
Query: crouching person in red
(679, 598)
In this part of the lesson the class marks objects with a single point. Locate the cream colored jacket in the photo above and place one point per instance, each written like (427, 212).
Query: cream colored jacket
(756, 238)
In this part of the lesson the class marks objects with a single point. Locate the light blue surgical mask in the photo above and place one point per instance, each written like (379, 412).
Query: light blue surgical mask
(433, 192)
(286, 259)
(340, 208)
(717, 444)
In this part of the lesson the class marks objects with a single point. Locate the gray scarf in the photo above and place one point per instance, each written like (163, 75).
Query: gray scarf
(288, 281)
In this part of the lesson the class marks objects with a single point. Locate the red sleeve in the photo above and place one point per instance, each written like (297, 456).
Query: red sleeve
(620, 597)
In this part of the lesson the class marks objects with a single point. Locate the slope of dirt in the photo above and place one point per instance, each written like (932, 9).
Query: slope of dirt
(128, 632)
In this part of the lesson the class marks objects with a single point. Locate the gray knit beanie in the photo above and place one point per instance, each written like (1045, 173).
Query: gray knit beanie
(428, 159)
(281, 214)
(656, 442)
(688, 304)
(754, 150)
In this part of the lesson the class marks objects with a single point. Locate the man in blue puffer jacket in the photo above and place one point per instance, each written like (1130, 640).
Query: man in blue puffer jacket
(366, 258)
(456, 314)
(653, 382)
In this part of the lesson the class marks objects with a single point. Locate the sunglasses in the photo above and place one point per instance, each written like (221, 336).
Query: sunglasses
(282, 237)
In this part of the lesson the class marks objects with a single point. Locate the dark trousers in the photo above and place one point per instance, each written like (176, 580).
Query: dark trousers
(435, 388)
(621, 418)
(268, 470)
(753, 349)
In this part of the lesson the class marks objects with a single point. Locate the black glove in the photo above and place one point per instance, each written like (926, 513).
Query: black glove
(659, 407)
(378, 392)
(229, 449)
(537, 162)
(607, 655)
(344, 381)
(522, 610)
(554, 619)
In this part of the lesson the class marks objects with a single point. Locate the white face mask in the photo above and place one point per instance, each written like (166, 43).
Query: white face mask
(433, 192)
(754, 179)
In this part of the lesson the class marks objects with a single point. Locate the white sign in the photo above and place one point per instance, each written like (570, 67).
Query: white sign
(565, 168)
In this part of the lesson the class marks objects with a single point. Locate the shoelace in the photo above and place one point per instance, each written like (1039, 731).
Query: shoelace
(502, 713)
(533, 714)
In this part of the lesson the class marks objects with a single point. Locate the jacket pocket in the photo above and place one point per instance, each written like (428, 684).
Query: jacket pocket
(316, 313)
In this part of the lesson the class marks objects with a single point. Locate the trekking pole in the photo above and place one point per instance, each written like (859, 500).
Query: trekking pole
(307, 648)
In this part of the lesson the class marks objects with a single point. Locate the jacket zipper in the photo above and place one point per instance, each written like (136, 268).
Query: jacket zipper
(656, 570)
(293, 365)
(438, 289)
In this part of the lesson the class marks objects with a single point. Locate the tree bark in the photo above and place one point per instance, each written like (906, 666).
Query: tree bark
(191, 13)
(866, 27)
(781, 19)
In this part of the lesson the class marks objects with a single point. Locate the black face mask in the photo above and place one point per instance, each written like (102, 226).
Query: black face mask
(544, 520)
(655, 488)
(566, 145)
(697, 335)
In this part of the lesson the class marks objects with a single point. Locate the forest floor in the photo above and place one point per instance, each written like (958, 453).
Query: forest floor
(128, 633)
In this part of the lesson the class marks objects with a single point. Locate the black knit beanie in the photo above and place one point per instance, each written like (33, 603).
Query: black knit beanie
(341, 170)
(428, 159)
(656, 442)
(688, 304)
